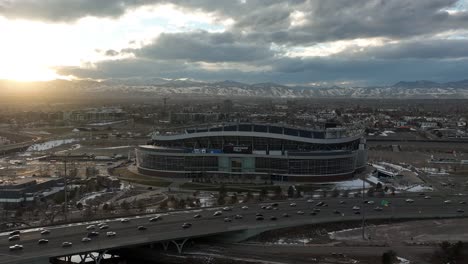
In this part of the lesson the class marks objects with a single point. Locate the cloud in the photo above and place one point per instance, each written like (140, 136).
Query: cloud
(111, 53)
(202, 46)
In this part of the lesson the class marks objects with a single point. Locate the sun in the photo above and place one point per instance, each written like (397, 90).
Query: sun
(27, 73)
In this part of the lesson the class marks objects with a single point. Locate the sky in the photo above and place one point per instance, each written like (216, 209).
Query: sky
(292, 42)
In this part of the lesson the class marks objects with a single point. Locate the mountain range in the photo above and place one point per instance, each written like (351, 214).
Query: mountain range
(185, 87)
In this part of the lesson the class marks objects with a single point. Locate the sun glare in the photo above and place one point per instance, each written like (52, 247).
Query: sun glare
(27, 74)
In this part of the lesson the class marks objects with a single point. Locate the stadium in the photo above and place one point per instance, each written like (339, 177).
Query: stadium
(255, 152)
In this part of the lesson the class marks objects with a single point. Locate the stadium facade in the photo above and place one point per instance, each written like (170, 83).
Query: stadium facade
(255, 152)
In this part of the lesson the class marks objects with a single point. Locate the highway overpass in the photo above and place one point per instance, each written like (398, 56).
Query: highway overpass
(169, 231)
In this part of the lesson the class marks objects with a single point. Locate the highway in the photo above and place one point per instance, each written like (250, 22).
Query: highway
(170, 227)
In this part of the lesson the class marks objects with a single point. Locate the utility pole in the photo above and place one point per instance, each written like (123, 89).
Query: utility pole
(65, 211)
(363, 210)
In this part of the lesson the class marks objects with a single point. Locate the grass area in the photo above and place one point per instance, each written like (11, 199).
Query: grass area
(125, 175)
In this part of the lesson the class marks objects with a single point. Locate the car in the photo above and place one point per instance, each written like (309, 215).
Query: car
(197, 216)
(275, 208)
(316, 210)
(85, 239)
(462, 202)
(103, 227)
(319, 204)
(357, 212)
(259, 218)
(447, 201)
(227, 219)
(124, 220)
(264, 207)
(370, 202)
(186, 225)
(356, 208)
(342, 202)
(14, 238)
(90, 227)
(269, 208)
(16, 232)
(238, 216)
(313, 213)
(286, 215)
(101, 224)
(93, 234)
(155, 219)
(111, 234)
(292, 204)
(141, 228)
(378, 208)
(227, 208)
(258, 214)
(427, 197)
(273, 218)
(67, 244)
(245, 207)
(42, 241)
(310, 201)
(275, 204)
(409, 201)
(460, 211)
(300, 212)
(16, 247)
(336, 212)
(217, 213)
(45, 232)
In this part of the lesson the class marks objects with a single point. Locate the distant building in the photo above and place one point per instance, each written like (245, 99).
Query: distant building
(24, 191)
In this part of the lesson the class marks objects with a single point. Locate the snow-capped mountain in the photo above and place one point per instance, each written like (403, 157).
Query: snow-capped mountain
(168, 87)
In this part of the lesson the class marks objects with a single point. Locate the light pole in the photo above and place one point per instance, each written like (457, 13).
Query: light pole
(363, 209)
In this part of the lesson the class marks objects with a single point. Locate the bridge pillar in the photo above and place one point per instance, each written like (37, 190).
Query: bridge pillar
(100, 256)
(180, 246)
(165, 245)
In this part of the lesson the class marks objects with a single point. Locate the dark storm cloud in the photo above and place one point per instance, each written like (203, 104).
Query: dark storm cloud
(111, 53)
(421, 48)
(202, 46)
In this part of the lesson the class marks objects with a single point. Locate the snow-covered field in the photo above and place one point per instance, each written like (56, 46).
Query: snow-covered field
(351, 184)
(51, 144)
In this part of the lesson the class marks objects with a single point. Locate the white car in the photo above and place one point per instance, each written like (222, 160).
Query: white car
(448, 201)
(45, 232)
(91, 227)
(16, 247)
(111, 234)
(370, 202)
(227, 208)
(14, 238)
(356, 208)
(67, 244)
(85, 239)
(310, 201)
(245, 207)
(217, 213)
(292, 204)
(124, 220)
(427, 197)
(409, 200)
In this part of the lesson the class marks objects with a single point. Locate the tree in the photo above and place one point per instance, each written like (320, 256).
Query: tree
(290, 191)
(389, 257)
(163, 205)
(234, 199)
(335, 193)
(249, 196)
(221, 200)
(278, 192)
(125, 205)
(263, 193)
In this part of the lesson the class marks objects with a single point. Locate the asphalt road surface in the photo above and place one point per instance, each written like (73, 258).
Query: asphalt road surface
(170, 227)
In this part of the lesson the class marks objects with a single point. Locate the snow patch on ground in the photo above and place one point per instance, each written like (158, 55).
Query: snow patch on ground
(351, 184)
(50, 144)
(118, 147)
(419, 188)
(403, 260)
